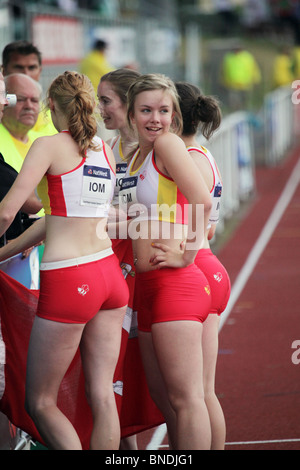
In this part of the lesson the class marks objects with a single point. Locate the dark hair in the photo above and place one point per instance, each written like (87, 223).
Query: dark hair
(100, 45)
(19, 47)
(198, 110)
(121, 80)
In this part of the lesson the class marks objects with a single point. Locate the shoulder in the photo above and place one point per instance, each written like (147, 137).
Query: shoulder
(98, 141)
(47, 147)
(44, 141)
(50, 140)
(113, 141)
(109, 155)
(197, 150)
(167, 142)
(170, 152)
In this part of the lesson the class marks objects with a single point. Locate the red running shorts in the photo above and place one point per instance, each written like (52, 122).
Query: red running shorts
(73, 291)
(217, 277)
(170, 294)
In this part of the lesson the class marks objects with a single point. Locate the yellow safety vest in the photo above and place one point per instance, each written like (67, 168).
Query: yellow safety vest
(95, 65)
(14, 151)
(240, 71)
(44, 124)
(283, 74)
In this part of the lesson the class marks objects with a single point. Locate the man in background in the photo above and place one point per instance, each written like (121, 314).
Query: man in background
(23, 57)
(16, 135)
(95, 64)
(7, 177)
(240, 74)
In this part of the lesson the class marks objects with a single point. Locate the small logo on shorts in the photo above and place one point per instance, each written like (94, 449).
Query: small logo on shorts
(83, 290)
(127, 269)
(218, 277)
(207, 290)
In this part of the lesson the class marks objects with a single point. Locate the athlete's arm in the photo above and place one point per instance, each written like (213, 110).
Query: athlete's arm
(211, 232)
(34, 167)
(35, 234)
(32, 205)
(174, 160)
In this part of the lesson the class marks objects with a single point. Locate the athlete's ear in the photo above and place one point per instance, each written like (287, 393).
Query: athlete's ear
(51, 105)
(131, 118)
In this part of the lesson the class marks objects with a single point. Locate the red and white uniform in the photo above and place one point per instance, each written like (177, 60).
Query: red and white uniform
(167, 294)
(154, 195)
(86, 191)
(138, 411)
(217, 187)
(70, 291)
(209, 264)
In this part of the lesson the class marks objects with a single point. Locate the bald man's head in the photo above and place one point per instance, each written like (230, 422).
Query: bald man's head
(21, 118)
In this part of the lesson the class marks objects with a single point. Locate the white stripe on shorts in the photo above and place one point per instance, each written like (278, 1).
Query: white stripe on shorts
(67, 263)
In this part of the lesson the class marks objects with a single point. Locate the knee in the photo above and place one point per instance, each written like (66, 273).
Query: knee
(188, 399)
(99, 397)
(35, 405)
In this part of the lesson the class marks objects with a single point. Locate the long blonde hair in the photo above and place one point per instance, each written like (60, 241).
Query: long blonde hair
(75, 97)
(155, 81)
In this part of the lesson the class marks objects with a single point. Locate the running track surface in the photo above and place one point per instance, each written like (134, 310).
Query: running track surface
(257, 382)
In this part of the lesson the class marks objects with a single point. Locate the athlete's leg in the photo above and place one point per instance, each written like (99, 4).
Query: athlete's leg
(210, 353)
(100, 348)
(178, 347)
(156, 385)
(129, 443)
(51, 350)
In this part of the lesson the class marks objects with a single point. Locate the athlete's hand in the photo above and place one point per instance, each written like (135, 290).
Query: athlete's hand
(27, 252)
(168, 257)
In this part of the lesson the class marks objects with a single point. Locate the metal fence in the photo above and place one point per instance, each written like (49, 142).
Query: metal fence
(241, 136)
(245, 140)
(6, 29)
(280, 124)
(232, 147)
(151, 43)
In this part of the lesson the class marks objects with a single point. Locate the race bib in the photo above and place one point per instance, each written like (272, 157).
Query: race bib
(215, 210)
(120, 173)
(97, 186)
(127, 194)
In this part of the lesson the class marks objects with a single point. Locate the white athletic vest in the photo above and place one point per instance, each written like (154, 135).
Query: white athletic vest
(216, 190)
(156, 194)
(86, 191)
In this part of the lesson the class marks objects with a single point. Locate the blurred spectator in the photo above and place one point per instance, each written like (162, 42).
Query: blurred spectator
(287, 12)
(95, 64)
(16, 134)
(256, 14)
(227, 16)
(283, 68)
(70, 6)
(296, 62)
(24, 57)
(239, 75)
(108, 8)
(11, 155)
